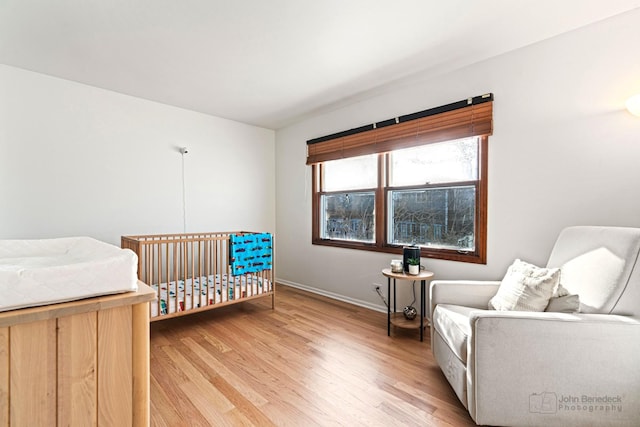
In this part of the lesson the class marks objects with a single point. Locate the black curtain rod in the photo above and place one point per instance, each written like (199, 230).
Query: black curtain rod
(407, 117)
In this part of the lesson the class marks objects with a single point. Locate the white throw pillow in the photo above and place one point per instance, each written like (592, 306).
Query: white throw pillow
(525, 287)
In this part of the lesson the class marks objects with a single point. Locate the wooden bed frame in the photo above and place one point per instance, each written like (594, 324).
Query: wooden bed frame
(166, 260)
(83, 362)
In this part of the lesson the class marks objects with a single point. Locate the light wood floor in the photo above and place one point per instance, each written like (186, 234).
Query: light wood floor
(312, 361)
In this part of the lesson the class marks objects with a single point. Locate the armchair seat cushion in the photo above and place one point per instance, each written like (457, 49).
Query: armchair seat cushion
(451, 322)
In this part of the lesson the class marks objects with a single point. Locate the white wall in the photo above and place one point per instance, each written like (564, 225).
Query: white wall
(563, 152)
(78, 160)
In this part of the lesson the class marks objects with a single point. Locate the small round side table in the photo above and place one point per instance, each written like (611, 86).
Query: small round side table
(398, 319)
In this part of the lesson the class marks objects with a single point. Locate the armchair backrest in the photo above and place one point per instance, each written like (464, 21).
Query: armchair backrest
(600, 264)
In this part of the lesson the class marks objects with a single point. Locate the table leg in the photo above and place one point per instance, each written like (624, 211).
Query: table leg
(388, 306)
(394, 295)
(422, 309)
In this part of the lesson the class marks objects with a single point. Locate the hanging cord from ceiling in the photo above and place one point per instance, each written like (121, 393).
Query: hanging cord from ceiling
(183, 151)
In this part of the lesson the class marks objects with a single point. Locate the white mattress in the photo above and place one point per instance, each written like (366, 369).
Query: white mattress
(41, 272)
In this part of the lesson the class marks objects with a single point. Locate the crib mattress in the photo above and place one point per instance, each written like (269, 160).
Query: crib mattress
(206, 290)
(47, 271)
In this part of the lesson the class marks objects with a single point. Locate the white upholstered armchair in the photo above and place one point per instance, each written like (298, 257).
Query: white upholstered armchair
(525, 368)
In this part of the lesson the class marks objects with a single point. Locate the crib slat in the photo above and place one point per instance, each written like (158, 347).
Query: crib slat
(176, 248)
(207, 270)
(193, 279)
(158, 278)
(184, 276)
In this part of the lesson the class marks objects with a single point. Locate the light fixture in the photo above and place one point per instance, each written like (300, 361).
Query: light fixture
(633, 105)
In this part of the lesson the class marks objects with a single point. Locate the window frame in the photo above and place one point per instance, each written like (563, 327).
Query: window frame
(381, 212)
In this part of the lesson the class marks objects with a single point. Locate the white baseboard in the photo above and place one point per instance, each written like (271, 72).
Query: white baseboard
(360, 303)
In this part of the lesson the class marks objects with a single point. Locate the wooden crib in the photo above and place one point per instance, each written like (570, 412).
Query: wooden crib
(193, 272)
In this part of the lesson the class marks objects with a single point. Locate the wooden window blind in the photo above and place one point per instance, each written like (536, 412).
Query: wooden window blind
(467, 118)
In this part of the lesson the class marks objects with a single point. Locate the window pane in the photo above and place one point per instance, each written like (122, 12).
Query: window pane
(351, 174)
(435, 217)
(348, 216)
(450, 161)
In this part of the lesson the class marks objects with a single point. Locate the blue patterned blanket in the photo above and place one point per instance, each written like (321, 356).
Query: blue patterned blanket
(250, 253)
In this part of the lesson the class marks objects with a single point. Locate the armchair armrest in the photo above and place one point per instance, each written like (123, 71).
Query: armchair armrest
(576, 363)
(469, 293)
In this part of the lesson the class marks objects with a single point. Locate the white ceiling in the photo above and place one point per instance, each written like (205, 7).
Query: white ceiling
(272, 62)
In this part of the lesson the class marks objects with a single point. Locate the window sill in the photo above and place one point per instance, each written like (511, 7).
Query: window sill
(444, 254)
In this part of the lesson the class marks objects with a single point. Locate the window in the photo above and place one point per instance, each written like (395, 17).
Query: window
(380, 196)
(348, 199)
(438, 210)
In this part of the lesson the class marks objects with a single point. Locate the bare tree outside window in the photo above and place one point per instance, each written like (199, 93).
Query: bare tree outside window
(436, 217)
(349, 216)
